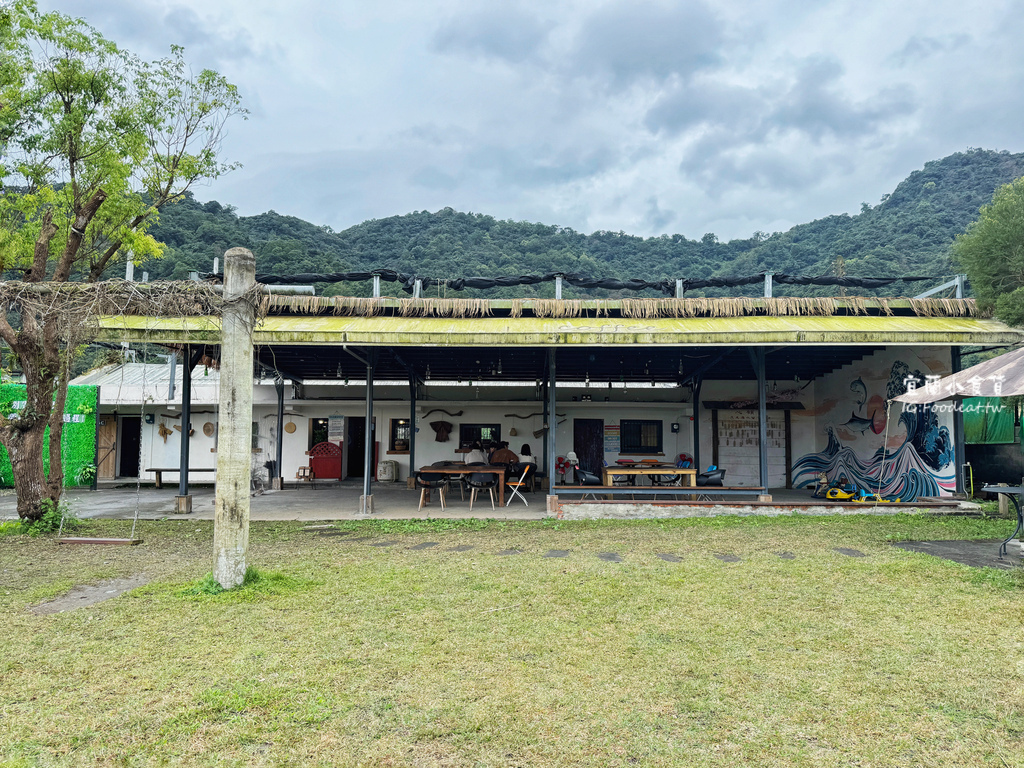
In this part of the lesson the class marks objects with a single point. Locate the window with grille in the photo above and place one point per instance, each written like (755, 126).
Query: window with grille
(640, 436)
(485, 433)
(400, 433)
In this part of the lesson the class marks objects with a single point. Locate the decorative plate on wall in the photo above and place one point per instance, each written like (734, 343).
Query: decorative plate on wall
(289, 427)
(208, 429)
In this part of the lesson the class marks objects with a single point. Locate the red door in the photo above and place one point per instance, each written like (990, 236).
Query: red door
(325, 460)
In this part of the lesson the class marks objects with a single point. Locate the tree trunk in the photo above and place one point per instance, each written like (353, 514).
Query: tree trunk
(24, 439)
(43, 358)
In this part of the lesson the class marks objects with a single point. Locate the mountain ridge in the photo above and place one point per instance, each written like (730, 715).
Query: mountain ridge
(908, 232)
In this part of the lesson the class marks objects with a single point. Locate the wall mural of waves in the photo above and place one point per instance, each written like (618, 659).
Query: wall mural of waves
(922, 465)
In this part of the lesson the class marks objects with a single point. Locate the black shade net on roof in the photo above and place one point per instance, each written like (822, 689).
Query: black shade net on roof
(667, 287)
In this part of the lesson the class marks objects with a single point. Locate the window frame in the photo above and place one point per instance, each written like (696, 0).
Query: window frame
(470, 432)
(397, 427)
(640, 449)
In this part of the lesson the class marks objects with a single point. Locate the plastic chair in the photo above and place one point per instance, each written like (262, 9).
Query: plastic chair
(587, 478)
(479, 481)
(714, 476)
(665, 481)
(427, 481)
(518, 485)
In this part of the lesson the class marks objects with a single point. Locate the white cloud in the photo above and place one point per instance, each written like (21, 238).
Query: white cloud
(648, 117)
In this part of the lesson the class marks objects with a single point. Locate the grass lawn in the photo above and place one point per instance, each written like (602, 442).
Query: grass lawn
(454, 655)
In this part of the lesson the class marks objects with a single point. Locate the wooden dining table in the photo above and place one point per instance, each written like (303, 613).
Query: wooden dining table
(465, 469)
(689, 474)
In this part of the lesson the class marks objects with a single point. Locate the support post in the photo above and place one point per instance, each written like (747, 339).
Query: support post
(959, 445)
(417, 288)
(234, 445)
(558, 286)
(183, 501)
(544, 420)
(412, 426)
(366, 500)
(172, 362)
(768, 284)
(278, 480)
(552, 422)
(757, 357)
(376, 286)
(679, 288)
(696, 423)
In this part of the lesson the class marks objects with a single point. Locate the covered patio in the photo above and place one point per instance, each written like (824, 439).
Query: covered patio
(774, 390)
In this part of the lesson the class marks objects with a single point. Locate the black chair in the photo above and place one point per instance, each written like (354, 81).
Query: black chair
(587, 478)
(621, 481)
(427, 481)
(714, 477)
(710, 479)
(479, 481)
(665, 481)
(459, 480)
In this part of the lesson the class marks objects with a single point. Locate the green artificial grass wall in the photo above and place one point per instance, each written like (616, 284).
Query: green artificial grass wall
(78, 446)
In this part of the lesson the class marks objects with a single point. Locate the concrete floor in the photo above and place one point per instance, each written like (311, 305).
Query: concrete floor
(335, 501)
(340, 501)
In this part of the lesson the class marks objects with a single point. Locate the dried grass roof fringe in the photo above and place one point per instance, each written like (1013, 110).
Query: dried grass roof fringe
(944, 307)
(740, 306)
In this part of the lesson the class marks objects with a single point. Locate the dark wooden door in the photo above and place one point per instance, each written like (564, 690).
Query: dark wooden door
(106, 448)
(588, 442)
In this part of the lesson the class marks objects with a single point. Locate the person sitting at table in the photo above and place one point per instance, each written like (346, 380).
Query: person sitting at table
(503, 455)
(526, 455)
(476, 454)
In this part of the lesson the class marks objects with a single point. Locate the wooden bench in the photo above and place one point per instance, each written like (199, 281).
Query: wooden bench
(674, 490)
(159, 471)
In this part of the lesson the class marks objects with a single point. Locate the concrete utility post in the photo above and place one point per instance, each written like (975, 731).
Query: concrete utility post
(234, 443)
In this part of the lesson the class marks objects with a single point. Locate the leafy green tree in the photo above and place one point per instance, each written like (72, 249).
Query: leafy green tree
(991, 251)
(93, 143)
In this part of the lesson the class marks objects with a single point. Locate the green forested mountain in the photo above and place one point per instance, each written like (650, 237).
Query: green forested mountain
(908, 232)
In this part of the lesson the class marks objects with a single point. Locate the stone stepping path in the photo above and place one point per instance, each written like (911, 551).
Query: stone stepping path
(848, 552)
(608, 557)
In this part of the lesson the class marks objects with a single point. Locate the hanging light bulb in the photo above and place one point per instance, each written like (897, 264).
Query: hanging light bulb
(499, 364)
(427, 376)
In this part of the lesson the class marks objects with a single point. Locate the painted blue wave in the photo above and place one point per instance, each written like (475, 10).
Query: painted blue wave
(904, 473)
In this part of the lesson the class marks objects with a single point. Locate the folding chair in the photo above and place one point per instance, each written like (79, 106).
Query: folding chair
(518, 485)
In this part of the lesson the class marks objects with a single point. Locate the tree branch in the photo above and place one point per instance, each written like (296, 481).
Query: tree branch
(77, 234)
(41, 253)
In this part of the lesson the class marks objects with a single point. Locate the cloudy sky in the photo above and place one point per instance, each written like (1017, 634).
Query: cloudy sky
(644, 116)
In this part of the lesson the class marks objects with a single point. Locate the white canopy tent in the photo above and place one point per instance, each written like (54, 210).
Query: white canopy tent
(1001, 376)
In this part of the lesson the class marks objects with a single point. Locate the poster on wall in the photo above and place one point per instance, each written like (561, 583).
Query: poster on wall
(336, 429)
(611, 438)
